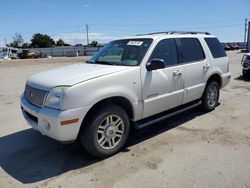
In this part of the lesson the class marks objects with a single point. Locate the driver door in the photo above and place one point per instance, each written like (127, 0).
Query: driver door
(163, 89)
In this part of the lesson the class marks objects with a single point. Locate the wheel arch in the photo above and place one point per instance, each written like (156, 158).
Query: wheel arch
(117, 100)
(215, 77)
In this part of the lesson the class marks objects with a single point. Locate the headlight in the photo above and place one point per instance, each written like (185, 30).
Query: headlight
(55, 96)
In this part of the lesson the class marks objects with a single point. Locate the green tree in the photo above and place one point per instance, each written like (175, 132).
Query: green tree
(60, 42)
(26, 45)
(42, 41)
(94, 43)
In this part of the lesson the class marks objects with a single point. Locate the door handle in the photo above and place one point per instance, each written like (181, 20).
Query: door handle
(177, 72)
(206, 66)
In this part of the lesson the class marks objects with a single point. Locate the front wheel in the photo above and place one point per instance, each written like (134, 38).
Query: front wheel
(106, 132)
(210, 96)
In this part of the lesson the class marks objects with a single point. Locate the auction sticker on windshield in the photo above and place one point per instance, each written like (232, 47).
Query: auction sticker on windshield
(135, 43)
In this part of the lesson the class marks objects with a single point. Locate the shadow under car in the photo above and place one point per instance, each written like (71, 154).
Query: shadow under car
(30, 157)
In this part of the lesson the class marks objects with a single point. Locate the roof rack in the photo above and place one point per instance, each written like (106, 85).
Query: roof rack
(177, 32)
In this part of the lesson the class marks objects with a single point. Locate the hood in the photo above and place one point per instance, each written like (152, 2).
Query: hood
(70, 75)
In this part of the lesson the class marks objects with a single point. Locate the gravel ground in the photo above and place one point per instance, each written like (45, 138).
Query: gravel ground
(190, 150)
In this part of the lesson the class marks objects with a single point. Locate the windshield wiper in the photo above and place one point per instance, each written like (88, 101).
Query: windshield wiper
(103, 62)
(90, 62)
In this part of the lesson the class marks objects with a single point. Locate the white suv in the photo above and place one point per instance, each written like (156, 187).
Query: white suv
(132, 82)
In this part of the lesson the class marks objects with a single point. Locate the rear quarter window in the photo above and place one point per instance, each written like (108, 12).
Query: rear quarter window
(215, 47)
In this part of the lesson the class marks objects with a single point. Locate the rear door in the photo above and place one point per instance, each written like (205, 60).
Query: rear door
(195, 66)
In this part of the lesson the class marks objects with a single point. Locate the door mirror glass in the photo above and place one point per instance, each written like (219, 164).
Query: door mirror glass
(155, 64)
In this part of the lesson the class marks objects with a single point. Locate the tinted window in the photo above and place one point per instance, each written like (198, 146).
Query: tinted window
(215, 47)
(191, 50)
(166, 50)
(200, 52)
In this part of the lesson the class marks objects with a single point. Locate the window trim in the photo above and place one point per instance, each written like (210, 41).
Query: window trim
(177, 52)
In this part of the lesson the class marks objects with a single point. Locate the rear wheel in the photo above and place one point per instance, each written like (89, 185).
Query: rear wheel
(106, 132)
(210, 96)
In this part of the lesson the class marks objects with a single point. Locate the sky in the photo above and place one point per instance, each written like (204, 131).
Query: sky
(111, 19)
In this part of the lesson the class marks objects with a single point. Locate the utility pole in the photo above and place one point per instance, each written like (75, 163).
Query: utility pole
(87, 31)
(5, 41)
(245, 31)
(248, 38)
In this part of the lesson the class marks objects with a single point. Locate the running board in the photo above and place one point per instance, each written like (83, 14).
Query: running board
(165, 115)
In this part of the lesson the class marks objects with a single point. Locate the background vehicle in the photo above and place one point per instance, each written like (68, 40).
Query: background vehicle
(135, 81)
(26, 54)
(233, 46)
(7, 53)
(245, 62)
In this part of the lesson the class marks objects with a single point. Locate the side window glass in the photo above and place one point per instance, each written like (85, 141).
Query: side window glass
(166, 50)
(191, 50)
(188, 50)
(215, 47)
(200, 52)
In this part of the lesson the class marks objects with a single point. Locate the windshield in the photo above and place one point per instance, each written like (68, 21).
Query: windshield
(127, 52)
(247, 58)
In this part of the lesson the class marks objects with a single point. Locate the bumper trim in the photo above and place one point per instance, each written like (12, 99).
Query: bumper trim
(29, 117)
(225, 79)
(70, 121)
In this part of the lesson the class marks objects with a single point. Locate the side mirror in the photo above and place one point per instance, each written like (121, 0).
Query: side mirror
(155, 64)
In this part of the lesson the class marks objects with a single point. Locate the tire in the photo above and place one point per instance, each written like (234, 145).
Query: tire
(244, 74)
(210, 96)
(106, 131)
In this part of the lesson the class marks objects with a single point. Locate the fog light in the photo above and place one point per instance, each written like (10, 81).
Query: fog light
(47, 126)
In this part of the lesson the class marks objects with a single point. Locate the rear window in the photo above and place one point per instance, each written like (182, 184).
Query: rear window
(215, 47)
(191, 50)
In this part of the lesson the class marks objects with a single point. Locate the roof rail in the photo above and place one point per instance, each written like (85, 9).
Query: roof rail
(176, 32)
(189, 32)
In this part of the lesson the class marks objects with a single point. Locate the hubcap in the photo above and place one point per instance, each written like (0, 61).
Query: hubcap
(212, 96)
(110, 132)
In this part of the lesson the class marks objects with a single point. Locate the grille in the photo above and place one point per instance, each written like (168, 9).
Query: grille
(35, 96)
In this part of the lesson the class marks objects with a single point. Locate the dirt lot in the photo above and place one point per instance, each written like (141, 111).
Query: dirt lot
(191, 150)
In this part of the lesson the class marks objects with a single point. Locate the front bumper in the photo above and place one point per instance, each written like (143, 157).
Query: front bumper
(48, 121)
(246, 71)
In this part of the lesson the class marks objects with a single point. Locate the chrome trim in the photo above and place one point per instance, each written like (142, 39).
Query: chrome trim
(35, 96)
